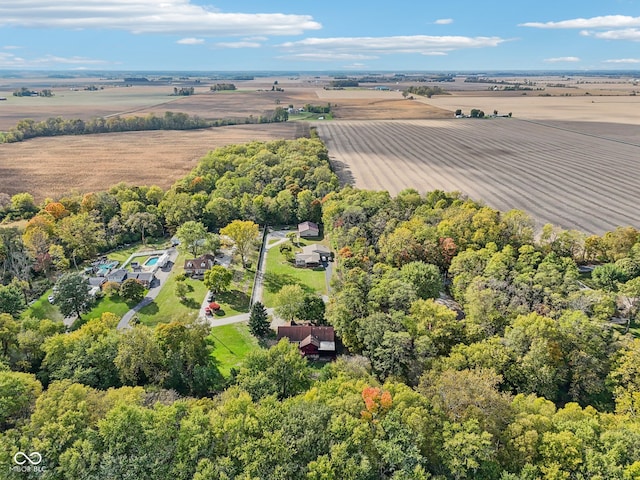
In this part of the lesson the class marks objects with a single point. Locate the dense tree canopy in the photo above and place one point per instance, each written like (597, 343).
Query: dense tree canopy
(472, 350)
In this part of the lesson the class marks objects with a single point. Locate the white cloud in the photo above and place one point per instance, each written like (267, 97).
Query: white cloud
(444, 21)
(238, 45)
(9, 60)
(435, 54)
(149, 16)
(423, 44)
(607, 21)
(355, 66)
(625, 34)
(11, 47)
(327, 56)
(562, 59)
(191, 41)
(623, 60)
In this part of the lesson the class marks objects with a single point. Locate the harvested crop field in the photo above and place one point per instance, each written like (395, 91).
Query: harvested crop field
(53, 166)
(568, 178)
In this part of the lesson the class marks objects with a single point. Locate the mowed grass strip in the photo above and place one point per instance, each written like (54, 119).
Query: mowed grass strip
(232, 344)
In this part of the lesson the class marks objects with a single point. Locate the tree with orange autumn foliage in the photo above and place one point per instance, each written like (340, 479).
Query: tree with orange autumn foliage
(56, 210)
(377, 402)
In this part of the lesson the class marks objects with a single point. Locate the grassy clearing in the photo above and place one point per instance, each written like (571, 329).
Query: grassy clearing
(279, 272)
(114, 305)
(232, 343)
(167, 307)
(42, 309)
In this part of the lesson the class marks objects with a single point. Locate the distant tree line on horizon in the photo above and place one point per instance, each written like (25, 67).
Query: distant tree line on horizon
(27, 92)
(426, 91)
(184, 91)
(222, 86)
(343, 83)
(54, 126)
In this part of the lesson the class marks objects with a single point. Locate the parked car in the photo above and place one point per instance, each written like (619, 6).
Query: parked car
(210, 297)
(51, 299)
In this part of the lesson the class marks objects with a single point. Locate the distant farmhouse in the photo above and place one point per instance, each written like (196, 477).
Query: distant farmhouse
(316, 343)
(313, 256)
(308, 229)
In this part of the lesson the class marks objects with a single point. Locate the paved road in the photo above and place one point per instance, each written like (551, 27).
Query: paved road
(161, 275)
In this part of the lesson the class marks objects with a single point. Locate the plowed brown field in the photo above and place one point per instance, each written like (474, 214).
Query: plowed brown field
(52, 166)
(565, 177)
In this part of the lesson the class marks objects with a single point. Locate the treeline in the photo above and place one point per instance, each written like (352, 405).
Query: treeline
(318, 108)
(183, 91)
(277, 420)
(222, 86)
(425, 91)
(343, 83)
(54, 126)
(26, 92)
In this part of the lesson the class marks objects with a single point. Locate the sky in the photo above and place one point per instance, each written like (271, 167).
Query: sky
(329, 35)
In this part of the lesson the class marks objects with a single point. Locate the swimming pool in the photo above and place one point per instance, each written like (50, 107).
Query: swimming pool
(151, 262)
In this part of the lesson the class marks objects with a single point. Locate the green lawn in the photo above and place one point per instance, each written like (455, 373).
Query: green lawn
(124, 253)
(279, 273)
(42, 309)
(168, 307)
(114, 305)
(232, 343)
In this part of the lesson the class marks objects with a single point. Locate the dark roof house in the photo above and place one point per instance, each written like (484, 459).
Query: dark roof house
(146, 278)
(96, 281)
(313, 342)
(197, 266)
(118, 276)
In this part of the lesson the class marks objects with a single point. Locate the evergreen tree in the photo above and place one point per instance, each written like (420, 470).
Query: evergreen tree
(259, 320)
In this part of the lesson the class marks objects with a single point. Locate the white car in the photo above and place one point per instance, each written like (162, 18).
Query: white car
(51, 299)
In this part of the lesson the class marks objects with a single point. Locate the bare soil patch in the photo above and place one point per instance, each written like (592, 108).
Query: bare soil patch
(52, 167)
(617, 109)
(558, 175)
(363, 109)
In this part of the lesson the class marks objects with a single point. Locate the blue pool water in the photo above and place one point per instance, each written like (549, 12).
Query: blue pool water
(151, 261)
